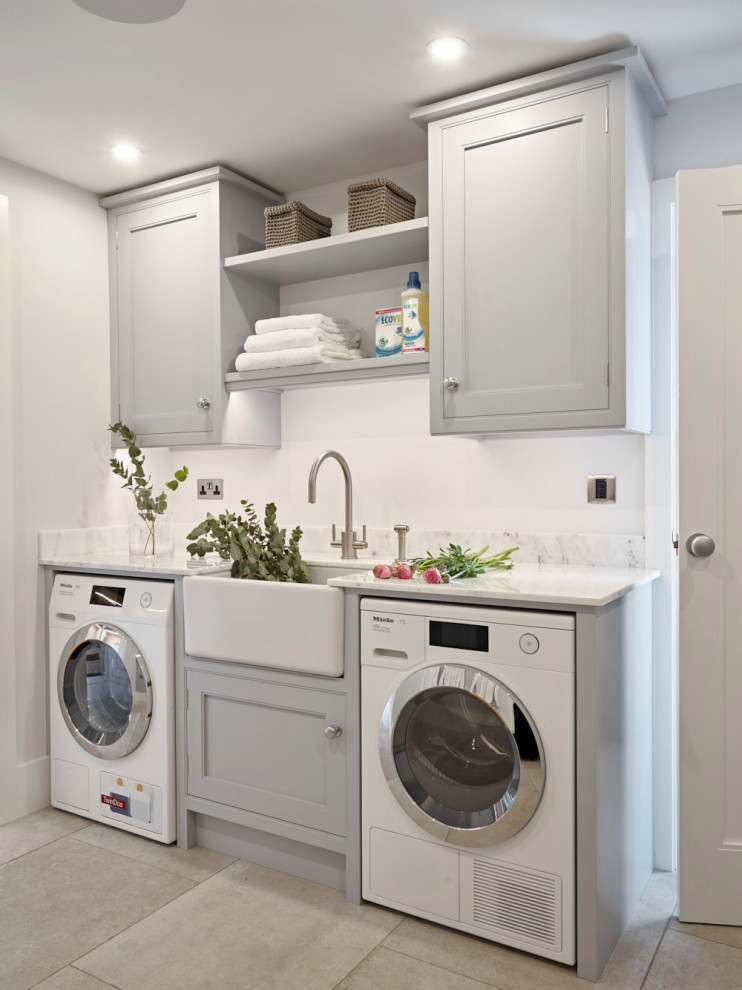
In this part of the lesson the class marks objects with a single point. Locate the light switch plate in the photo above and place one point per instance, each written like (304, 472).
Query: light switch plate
(601, 488)
(212, 488)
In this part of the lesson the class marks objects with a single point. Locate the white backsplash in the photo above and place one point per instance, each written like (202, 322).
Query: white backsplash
(580, 549)
(68, 542)
(586, 549)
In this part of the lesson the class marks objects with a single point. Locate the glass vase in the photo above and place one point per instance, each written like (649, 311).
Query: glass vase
(150, 531)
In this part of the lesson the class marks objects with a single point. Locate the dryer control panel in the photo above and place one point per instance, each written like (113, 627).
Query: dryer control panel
(404, 633)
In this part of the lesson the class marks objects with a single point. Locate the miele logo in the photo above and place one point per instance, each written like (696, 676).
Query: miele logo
(63, 585)
(378, 618)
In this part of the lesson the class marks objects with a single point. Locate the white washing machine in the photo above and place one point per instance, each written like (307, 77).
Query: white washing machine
(468, 769)
(112, 701)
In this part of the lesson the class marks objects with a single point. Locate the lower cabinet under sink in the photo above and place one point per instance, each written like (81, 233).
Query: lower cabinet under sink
(261, 746)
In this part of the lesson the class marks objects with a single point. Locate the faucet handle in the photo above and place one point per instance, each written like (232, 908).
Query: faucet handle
(335, 542)
(401, 529)
(363, 542)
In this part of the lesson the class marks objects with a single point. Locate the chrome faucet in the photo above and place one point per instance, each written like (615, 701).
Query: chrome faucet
(347, 542)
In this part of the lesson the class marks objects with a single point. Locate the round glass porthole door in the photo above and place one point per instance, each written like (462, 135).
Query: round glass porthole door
(462, 755)
(105, 691)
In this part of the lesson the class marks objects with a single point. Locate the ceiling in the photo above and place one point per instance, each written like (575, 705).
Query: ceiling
(296, 93)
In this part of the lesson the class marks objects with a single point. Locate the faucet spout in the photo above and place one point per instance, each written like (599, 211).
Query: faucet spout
(348, 542)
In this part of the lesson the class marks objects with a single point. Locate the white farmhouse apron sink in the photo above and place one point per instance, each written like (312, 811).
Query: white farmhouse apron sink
(267, 623)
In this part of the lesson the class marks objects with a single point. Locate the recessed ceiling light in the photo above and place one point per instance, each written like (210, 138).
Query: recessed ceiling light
(125, 152)
(132, 11)
(446, 49)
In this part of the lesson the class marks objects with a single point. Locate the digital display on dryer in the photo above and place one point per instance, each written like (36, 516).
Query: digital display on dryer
(459, 636)
(105, 595)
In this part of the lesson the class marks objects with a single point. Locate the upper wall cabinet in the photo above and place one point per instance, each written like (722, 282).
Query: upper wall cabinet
(540, 252)
(178, 319)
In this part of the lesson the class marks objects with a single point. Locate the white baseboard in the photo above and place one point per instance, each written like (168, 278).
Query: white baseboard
(33, 786)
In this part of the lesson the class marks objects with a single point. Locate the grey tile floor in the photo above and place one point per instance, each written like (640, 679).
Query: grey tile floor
(87, 907)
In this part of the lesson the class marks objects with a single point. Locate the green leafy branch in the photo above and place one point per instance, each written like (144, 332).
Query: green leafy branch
(149, 505)
(458, 563)
(258, 553)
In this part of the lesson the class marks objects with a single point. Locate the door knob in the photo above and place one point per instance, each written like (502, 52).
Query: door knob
(333, 731)
(700, 545)
(203, 403)
(451, 384)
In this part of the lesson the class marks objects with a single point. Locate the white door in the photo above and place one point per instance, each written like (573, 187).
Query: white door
(710, 503)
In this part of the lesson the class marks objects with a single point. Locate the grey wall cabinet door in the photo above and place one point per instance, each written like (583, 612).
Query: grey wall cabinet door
(168, 314)
(525, 221)
(261, 746)
(540, 253)
(178, 319)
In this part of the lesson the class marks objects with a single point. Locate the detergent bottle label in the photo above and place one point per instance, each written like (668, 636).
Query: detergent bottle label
(413, 334)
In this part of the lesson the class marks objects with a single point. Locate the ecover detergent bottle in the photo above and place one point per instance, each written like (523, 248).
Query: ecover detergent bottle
(414, 316)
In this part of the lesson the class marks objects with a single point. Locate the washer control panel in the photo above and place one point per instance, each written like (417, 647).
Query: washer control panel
(78, 598)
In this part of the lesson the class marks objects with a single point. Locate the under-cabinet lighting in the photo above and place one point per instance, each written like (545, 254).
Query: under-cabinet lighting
(125, 152)
(446, 49)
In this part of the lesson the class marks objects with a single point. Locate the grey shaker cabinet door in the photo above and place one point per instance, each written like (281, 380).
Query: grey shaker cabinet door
(521, 230)
(261, 746)
(167, 301)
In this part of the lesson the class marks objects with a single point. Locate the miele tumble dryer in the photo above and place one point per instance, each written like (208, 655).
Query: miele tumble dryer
(468, 769)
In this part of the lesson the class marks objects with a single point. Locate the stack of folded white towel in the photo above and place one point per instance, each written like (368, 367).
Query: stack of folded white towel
(294, 340)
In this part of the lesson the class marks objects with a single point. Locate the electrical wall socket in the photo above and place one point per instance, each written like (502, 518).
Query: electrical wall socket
(601, 488)
(210, 488)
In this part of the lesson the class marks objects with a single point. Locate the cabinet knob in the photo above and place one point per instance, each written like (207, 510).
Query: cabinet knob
(700, 545)
(203, 404)
(451, 384)
(333, 731)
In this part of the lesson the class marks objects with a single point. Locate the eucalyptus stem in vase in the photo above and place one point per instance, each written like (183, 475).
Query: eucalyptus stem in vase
(151, 505)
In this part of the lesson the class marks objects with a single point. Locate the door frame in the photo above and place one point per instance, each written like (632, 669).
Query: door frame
(661, 497)
(8, 758)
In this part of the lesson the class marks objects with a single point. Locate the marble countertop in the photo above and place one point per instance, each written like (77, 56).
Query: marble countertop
(559, 584)
(177, 564)
(566, 584)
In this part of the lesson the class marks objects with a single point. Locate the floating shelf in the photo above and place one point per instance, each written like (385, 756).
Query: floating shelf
(344, 254)
(337, 373)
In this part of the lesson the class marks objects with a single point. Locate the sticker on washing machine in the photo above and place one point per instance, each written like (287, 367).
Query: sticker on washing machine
(116, 802)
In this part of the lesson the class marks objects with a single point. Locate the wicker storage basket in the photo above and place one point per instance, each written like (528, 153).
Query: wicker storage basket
(378, 202)
(292, 223)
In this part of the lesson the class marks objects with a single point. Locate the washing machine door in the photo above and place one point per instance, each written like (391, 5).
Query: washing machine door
(462, 755)
(105, 691)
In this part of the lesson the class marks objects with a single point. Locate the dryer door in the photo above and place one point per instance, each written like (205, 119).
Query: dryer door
(462, 755)
(105, 691)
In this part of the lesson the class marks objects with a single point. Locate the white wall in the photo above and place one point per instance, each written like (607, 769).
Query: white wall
(60, 410)
(400, 472)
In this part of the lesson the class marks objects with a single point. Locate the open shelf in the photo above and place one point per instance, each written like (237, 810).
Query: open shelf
(337, 373)
(345, 254)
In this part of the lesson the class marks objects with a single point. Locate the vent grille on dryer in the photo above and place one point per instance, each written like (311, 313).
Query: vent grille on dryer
(521, 904)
